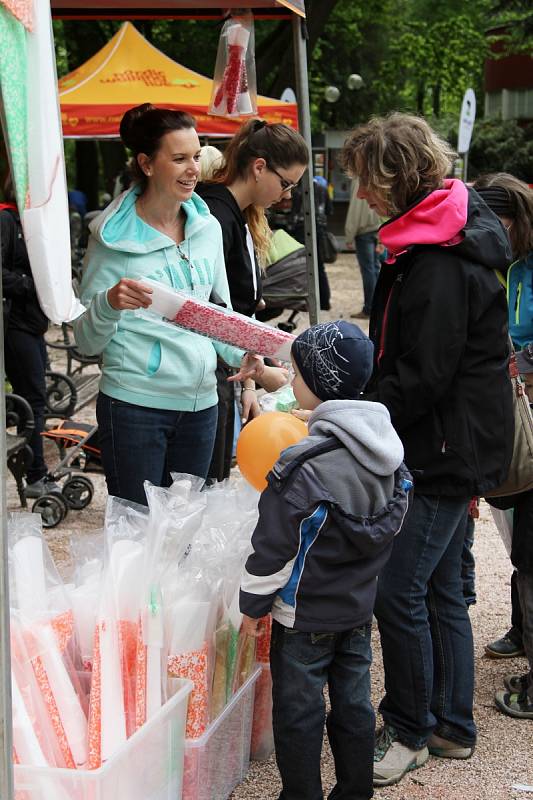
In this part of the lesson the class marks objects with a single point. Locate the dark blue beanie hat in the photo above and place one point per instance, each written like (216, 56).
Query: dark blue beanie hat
(335, 359)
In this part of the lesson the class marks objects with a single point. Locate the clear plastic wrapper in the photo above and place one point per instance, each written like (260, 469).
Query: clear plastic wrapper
(172, 307)
(47, 628)
(282, 399)
(234, 82)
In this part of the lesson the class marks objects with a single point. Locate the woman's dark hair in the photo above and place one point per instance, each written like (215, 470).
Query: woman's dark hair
(510, 197)
(280, 146)
(143, 127)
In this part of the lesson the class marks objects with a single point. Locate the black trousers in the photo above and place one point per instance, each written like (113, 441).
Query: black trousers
(220, 466)
(25, 362)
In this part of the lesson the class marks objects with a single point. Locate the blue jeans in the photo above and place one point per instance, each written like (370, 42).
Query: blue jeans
(369, 264)
(146, 444)
(425, 630)
(468, 563)
(301, 664)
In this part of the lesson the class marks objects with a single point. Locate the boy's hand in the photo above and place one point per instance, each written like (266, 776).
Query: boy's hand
(302, 414)
(250, 626)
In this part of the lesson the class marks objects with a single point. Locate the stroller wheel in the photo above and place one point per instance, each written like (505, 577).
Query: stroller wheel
(52, 507)
(78, 492)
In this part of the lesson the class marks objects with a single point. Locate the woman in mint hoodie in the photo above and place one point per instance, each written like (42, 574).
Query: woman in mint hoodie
(157, 406)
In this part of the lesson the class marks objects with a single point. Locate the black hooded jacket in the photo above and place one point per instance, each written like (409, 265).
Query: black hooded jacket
(239, 267)
(439, 326)
(21, 306)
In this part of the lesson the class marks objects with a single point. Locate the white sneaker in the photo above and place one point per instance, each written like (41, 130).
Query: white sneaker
(392, 759)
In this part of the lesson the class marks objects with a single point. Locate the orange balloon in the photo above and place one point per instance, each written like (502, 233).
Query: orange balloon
(261, 442)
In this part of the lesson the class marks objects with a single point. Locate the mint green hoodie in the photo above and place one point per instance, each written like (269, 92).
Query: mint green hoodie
(144, 362)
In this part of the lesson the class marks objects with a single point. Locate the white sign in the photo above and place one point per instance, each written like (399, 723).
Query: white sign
(466, 122)
(288, 96)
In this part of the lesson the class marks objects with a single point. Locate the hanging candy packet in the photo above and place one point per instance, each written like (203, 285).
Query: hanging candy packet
(234, 83)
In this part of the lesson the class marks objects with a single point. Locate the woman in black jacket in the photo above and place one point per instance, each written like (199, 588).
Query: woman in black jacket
(439, 324)
(262, 164)
(24, 346)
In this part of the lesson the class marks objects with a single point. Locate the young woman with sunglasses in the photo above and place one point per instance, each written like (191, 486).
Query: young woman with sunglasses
(262, 164)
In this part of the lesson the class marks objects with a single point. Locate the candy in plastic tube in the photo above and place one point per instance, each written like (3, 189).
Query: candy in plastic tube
(172, 307)
(29, 575)
(234, 82)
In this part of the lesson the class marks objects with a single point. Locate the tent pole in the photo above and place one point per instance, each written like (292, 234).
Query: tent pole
(299, 30)
(6, 732)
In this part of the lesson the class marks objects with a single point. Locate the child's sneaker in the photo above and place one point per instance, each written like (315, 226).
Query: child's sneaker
(392, 759)
(515, 684)
(513, 704)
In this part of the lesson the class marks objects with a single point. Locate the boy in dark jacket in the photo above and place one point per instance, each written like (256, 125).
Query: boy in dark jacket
(327, 519)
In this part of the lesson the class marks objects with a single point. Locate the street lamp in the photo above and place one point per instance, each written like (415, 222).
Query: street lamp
(333, 93)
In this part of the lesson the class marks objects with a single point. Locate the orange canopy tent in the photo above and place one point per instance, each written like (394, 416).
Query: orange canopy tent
(129, 71)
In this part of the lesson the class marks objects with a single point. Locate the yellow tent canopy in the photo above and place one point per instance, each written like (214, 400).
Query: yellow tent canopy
(129, 71)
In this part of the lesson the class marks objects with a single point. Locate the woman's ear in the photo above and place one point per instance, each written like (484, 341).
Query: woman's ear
(259, 167)
(144, 163)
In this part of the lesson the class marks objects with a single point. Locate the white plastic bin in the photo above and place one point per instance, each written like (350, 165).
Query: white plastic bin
(262, 745)
(217, 761)
(149, 766)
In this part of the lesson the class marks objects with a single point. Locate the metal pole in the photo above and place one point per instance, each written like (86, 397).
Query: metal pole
(465, 166)
(299, 31)
(6, 732)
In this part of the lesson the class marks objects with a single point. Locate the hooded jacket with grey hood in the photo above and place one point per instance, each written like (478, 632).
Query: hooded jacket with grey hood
(327, 520)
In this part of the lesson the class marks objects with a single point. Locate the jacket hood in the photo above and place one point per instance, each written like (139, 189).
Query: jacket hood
(453, 216)
(364, 428)
(220, 192)
(120, 228)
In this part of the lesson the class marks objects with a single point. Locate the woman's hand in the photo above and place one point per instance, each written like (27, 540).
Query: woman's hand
(249, 405)
(302, 414)
(252, 366)
(128, 294)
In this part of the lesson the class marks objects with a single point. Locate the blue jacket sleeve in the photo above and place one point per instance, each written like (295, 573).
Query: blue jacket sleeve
(275, 542)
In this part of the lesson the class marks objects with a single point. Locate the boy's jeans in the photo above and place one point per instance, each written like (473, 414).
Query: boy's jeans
(423, 620)
(301, 665)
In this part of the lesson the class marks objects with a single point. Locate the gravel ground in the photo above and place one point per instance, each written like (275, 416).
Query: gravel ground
(503, 755)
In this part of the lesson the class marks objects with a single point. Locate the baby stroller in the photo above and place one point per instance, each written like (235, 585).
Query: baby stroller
(285, 283)
(79, 450)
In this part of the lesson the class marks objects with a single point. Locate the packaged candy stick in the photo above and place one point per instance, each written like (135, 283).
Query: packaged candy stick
(262, 743)
(171, 307)
(47, 626)
(219, 689)
(234, 83)
(262, 653)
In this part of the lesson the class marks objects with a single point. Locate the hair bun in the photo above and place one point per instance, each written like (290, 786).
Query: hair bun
(131, 124)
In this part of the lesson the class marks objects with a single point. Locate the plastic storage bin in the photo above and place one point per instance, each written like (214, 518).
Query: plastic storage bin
(149, 766)
(217, 761)
(262, 745)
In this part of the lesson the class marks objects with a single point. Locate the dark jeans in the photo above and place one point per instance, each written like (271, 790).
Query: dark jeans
(516, 611)
(524, 585)
(468, 563)
(25, 362)
(146, 444)
(301, 665)
(425, 629)
(369, 264)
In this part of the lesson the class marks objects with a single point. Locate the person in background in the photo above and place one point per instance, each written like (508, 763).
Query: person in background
(261, 164)
(361, 231)
(24, 347)
(438, 323)
(512, 200)
(327, 519)
(157, 406)
(323, 209)
(211, 159)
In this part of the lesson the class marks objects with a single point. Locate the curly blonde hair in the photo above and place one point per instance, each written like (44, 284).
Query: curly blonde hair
(399, 157)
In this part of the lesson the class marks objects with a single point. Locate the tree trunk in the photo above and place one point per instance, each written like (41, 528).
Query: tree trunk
(113, 161)
(277, 48)
(420, 95)
(87, 171)
(437, 90)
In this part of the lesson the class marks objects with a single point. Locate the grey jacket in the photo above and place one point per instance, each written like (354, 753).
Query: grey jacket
(327, 520)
